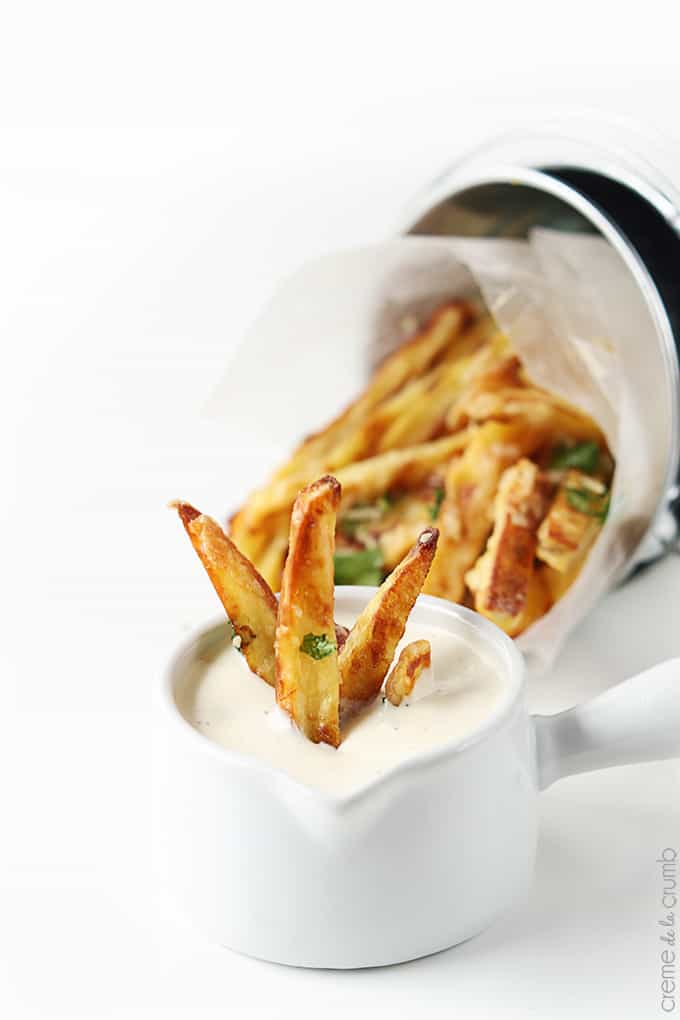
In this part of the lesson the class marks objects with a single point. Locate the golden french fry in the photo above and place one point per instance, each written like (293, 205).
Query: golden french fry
(365, 479)
(482, 334)
(369, 649)
(425, 414)
(272, 558)
(396, 541)
(355, 433)
(403, 676)
(537, 604)
(558, 583)
(422, 418)
(410, 359)
(349, 436)
(465, 518)
(247, 598)
(500, 578)
(307, 673)
(369, 437)
(567, 533)
(407, 468)
(495, 372)
(417, 410)
(536, 407)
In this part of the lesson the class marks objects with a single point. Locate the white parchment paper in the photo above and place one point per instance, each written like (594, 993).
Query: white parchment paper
(570, 307)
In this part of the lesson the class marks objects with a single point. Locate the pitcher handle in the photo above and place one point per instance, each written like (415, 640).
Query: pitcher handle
(637, 720)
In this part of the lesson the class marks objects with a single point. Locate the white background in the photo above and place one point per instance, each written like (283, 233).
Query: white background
(161, 168)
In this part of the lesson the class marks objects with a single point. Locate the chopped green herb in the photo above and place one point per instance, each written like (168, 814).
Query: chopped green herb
(361, 567)
(385, 502)
(593, 504)
(436, 506)
(585, 456)
(372, 578)
(318, 646)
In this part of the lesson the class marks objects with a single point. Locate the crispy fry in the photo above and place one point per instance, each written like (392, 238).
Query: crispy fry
(405, 468)
(501, 576)
(369, 649)
(536, 407)
(395, 542)
(494, 373)
(404, 674)
(409, 360)
(252, 541)
(423, 417)
(482, 334)
(270, 562)
(245, 595)
(465, 518)
(559, 583)
(364, 479)
(307, 673)
(537, 604)
(566, 534)
(426, 414)
(379, 431)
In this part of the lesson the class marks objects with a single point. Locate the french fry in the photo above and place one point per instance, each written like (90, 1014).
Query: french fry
(465, 518)
(405, 468)
(426, 413)
(252, 541)
(395, 542)
(501, 576)
(365, 479)
(567, 533)
(247, 598)
(272, 558)
(536, 407)
(307, 672)
(481, 335)
(494, 373)
(537, 604)
(369, 649)
(422, 417)
(404, 674)
(407, 361)
(379, 432)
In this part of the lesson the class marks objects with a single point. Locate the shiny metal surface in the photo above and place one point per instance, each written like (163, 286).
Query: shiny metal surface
(567, 184)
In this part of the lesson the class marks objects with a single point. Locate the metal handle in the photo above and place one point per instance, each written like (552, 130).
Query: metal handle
(637, 720)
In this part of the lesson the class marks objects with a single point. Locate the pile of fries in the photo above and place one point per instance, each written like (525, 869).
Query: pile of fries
(450, 431)
(322, 674)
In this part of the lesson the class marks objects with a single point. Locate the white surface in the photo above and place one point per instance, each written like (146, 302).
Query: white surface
(146, 155)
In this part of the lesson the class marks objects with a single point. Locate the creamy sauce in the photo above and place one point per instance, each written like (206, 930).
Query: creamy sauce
(223, 700)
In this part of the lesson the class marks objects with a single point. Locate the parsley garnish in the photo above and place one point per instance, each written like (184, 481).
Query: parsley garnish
(385, 502)
(584, 456)
(318, 646)
(361, 567)
(593, 504)
(436, 506)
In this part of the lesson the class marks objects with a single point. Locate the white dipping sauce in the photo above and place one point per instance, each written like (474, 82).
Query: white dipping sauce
(231, 706)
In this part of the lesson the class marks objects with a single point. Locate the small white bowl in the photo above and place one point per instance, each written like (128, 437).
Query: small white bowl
(418, 860)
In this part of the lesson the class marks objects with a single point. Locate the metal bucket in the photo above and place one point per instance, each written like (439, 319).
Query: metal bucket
(516, 183)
